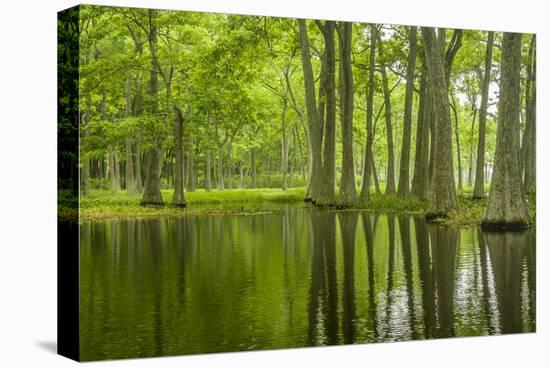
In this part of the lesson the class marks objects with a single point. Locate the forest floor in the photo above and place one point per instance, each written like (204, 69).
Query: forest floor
(100, 204)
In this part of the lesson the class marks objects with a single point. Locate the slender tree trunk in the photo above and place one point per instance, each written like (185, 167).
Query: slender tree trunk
(253, 168)
(348, 191)
(179, 196)
(419, 187)
(191, 174)
(230, 166)
(471, 156)
(221, 181)
(369, 159)
(208, 172)
(458, 152)
(403, 187)
(314, 123)
(130, 180)
(139, 183)
(241, 171)
(375, 176)
(442, 187)
(390, 178)
(284, 148)
(506, 206)
(151, 191)
(329, 139)
(479, 185)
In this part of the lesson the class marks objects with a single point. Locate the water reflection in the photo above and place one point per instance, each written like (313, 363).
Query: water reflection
(296, 278)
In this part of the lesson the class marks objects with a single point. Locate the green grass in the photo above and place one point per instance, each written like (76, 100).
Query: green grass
(101, 204)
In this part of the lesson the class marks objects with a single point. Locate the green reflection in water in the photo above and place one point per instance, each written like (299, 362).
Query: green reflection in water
(297, 278)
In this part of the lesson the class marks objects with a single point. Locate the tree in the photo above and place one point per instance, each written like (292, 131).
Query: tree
(151, 190)
(403, 187)
(528, 147)
(506, 206)
(348, 191)
(480, 161)
(328, 108)
(442, 187)
(390, 176)
(313, 120)
(368, 167)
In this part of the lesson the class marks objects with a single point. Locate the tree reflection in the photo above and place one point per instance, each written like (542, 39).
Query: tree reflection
(506, 250)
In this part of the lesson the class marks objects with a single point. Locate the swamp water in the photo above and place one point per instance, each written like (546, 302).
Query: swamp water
(295, 278)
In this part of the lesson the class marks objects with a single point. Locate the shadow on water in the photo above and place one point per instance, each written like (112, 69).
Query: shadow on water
(295, 278)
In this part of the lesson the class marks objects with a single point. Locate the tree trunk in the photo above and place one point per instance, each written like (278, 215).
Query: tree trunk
(479, 185)
(458, 153)
(471, 156)
(253, 167)
(348, 191)
(506, 206)
(221, 181)
(369, 160)
(420, 182)
(314, 123)
(130, 180)
(208, 172)
(151, 191)
(529, 136)
(403, 187)
(139, 184)
(284, 148)
(442, 187)
(329, 139)
(191, 174)
(179, 196)
(390, 177)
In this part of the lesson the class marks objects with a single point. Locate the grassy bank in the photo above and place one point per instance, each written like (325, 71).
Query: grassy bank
(100, 204)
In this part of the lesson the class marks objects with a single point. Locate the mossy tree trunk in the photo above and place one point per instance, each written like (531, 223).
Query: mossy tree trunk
(506, 206)
(151, 190)
(528, 148)
(442, 187)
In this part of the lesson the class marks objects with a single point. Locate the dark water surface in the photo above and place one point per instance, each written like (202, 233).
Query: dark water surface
(303, 277)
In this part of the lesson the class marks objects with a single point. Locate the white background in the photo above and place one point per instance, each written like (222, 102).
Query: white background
(28, 182)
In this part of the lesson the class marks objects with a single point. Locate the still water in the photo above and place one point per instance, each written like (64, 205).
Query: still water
(302, 277)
